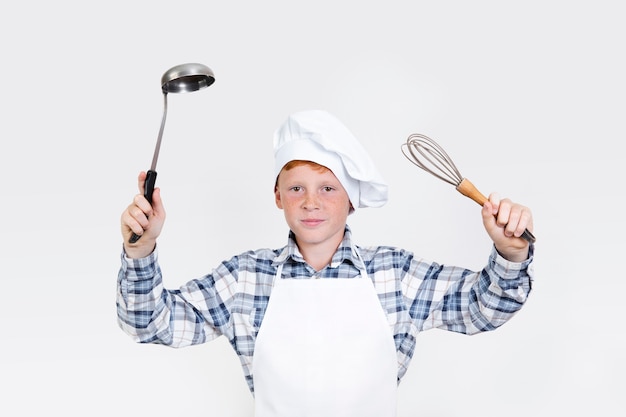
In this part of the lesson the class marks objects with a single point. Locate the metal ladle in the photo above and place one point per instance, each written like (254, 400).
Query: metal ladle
(182, 78)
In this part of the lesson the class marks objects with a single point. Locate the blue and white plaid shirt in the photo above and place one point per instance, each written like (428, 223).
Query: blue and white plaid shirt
(417, 295)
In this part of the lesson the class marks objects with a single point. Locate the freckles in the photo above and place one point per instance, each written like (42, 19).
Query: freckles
(290, 202)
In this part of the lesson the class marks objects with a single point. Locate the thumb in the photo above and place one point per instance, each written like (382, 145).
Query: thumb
(158, 209)
(157, 216)
(489, 218)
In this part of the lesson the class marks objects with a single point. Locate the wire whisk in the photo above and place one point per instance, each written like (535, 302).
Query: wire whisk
(432, 158)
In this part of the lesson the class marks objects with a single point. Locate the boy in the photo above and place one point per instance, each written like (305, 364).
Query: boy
(322, 327)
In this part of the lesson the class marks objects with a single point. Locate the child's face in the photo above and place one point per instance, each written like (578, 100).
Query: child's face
(315, 203)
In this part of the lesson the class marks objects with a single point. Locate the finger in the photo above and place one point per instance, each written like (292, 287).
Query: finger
(141, 181)
(504, 212)
(512, 221)
(130, 223)
(523, 218)
(489, 219)
(157, 203)
(143, 204)
(514, 218)
(139, 216)
(498, 217)
(494, 199)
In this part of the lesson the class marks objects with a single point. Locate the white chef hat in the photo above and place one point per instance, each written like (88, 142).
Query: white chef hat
(317, 136)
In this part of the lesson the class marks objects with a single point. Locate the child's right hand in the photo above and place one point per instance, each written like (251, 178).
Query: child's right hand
(144, 220)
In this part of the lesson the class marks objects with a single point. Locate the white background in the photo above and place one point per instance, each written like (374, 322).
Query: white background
(527, 97)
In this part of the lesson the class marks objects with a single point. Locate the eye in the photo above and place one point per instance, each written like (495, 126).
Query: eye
(296, 188)
(328, 189)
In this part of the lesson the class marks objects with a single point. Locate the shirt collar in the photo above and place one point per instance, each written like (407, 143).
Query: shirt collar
(347, 251)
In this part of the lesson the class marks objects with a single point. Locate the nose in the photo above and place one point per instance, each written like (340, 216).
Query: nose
(310, 202)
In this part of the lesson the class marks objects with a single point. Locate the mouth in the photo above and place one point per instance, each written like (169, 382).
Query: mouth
(311, 222)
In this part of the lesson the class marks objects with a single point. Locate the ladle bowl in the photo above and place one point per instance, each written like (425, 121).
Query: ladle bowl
(186, 78)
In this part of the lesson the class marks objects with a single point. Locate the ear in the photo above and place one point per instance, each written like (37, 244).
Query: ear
(277, 199)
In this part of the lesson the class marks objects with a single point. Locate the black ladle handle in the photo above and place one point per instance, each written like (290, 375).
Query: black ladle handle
(530, 238)
(148, 189)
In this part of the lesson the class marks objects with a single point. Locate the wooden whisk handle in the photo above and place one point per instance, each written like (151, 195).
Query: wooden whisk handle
(468, 189)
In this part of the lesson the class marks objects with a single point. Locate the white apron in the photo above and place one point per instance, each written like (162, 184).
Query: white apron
(325, 349)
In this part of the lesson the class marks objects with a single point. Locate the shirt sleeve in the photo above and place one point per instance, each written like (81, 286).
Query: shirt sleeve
(464, 301)
(149, 313)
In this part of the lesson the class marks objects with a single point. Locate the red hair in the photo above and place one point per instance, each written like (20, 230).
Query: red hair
(299, 162)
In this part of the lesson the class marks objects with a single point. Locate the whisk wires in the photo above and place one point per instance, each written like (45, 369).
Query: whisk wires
(429, 156)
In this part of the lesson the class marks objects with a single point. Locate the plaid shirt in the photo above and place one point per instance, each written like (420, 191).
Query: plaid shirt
(231, 300)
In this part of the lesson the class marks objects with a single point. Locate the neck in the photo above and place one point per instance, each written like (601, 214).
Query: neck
(319, 255)
(318, 260)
